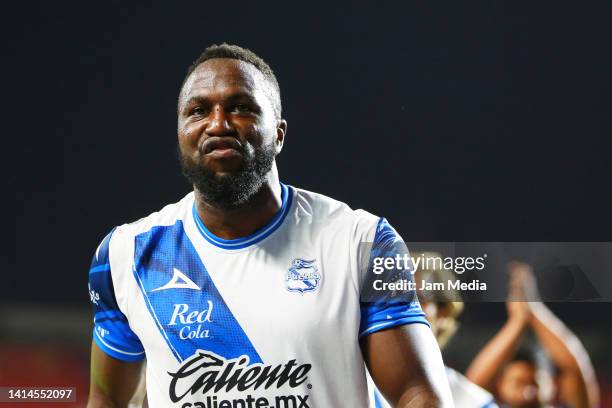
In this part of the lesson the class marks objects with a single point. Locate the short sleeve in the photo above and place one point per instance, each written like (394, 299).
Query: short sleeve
(111, 332)
(387, 261)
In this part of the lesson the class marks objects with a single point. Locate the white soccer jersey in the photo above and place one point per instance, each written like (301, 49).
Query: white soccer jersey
(270, 320)
(465, 393)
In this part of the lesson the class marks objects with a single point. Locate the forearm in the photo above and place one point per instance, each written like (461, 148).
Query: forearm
(113, 382)
(99, 400)
(109, 398)
(430, 388)
(496, 353)
(568, 354)
(421, 396)
(114, 397)
(406, 365)
(561, 344)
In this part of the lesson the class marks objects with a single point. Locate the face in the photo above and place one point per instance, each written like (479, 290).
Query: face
(438, 315)
(431, 314)
(517, 385)
(228, 132)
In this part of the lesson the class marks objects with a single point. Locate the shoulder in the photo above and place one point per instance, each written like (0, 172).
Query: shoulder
(322, 210)
(166, 216)
(115, 254)
(118, 246)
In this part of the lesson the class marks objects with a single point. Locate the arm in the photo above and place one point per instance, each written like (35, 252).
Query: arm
(406, 365)
(397, 344)
(116, 352)
(113, 382)
(501, 348)
(578, 385)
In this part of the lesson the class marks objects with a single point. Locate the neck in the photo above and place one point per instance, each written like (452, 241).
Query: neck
(244, 220)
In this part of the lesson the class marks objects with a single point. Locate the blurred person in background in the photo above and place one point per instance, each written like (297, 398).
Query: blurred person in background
(515, 377)
(442, 308)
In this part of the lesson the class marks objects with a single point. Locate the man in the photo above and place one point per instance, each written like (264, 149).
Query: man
(513, 376)
(518, 381)
(246, 293)
(442, 307)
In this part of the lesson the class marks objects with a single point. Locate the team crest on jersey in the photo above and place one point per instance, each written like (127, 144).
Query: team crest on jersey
(303, 276)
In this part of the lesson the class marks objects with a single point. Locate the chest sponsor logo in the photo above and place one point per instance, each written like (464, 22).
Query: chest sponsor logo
(210, 376)
(192, 322)
(303, 276)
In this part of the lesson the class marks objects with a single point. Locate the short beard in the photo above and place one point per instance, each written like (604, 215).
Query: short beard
(232, 190)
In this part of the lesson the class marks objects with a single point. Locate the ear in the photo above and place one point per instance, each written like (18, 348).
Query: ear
(281, 131)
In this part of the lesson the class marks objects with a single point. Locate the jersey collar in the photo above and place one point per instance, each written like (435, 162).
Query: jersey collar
(257, 236)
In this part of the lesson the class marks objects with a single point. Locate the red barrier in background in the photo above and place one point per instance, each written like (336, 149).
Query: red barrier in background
(34, 365)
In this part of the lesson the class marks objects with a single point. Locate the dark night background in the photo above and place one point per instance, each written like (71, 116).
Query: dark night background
(485, 121)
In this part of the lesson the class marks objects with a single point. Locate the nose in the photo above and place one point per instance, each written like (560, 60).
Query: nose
(218, 124)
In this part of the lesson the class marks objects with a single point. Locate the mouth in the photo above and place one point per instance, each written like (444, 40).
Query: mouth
(221, 146)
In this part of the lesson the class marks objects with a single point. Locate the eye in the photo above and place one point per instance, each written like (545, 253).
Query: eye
(197, 111)
(241, 107)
